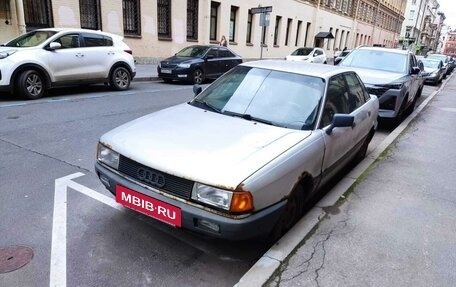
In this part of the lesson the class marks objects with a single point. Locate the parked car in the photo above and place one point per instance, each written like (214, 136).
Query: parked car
(241, 158)
(433, 70)
(341, 56)
(197, 63)
(45, 58)
(445, 60)
(311, 55)
(392, 75)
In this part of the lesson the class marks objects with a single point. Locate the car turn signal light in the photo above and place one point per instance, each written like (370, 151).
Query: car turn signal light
(242, 202)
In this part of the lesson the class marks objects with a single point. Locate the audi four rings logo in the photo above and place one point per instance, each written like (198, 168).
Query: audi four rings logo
(151, 177)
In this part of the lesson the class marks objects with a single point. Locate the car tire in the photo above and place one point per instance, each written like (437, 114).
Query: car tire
(198, 76)
(120, 79)
(361, 154)
(325, 62)
(402, 113)
(290, 215)
(30, 85)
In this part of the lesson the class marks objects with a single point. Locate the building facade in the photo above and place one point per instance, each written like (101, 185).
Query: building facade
(155, 29)
(450, 44)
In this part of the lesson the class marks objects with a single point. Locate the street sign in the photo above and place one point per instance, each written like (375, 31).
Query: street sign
(258, 10)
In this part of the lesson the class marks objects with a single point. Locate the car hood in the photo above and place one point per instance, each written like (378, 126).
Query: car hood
(3, 49)
(430, 70)
(174, 60)
(201, 145)
(376, 77)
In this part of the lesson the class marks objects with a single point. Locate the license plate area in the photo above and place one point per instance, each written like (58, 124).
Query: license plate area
(166, 71)
(149, 206)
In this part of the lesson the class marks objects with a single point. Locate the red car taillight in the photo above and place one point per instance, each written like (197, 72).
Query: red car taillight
(129, 52)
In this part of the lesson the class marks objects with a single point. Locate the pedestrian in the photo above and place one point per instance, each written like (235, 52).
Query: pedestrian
(223, 42)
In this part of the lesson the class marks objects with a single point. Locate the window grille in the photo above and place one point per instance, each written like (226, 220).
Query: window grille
(90, 14)
(131, 17)
(192, 19)
(249, 27)
(164, 18)
(213, 24)
(38, 14)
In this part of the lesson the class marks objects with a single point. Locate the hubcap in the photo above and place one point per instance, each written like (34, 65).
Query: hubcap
(122, 78)
(34, 85)
(198, 77)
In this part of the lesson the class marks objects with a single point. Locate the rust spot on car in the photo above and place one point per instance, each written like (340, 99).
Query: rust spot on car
(106, 145)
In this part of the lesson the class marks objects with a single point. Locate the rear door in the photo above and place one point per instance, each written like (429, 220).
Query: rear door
(227, 60)
(99, 54)
(212, 65)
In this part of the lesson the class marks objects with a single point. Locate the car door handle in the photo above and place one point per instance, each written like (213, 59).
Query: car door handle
(79, 55)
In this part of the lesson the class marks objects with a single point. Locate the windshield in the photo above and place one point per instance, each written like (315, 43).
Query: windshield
(193, 51)
(430, 63)
(302, 52)
(377, 59)
(344, 53)
(31, 39)
(443, 58)
(278, 98)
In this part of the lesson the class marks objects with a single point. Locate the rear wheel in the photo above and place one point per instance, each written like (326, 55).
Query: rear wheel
(120, 79)
(30, 85)
(290, 215)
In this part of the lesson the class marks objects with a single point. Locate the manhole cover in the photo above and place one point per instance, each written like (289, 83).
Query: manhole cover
(14, 257)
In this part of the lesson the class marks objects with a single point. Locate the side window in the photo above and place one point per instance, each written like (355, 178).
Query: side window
(93, 40)
(225, 54)
(336, 101)
(108, 41)
(356, 93)
(213, 52)
(69, 41)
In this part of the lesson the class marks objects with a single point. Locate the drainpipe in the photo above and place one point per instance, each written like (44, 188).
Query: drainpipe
(20, 16)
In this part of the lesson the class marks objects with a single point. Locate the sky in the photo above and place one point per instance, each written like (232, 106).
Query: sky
(449, 8)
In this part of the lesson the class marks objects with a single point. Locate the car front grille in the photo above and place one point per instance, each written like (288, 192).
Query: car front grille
(174, 185)
(378, 91)
(168, 66)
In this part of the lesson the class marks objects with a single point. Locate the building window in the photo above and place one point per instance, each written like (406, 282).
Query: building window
(307, 33)
(298, 32)
(233, 16)
(38, 14)
(90, 14)
(214, 19)
(328, 44)
(412, 14)
(131, 16)
(192, 19)
(249, 27)
(164, 18)
(287, 36)
(276, 30)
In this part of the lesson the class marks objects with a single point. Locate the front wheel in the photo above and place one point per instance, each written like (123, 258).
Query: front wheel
(120, 79)
(290, 215)
(198, 76)
(30, 85)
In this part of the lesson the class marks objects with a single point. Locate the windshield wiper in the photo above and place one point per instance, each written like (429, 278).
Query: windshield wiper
(248, 117)
(208, 105)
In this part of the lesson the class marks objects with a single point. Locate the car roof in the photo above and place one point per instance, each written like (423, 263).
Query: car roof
(79, 30)
(310, 69)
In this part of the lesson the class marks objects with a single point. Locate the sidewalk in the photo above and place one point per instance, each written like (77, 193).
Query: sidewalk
(394, 227)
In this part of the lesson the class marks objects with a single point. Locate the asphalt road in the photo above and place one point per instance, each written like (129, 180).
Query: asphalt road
(45, 140)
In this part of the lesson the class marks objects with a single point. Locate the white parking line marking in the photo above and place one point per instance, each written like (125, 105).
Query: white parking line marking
(58, 270)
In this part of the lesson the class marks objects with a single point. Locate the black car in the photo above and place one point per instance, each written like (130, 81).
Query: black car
(196, 63)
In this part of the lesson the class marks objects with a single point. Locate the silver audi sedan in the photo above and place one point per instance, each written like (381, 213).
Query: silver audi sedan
(241, 159)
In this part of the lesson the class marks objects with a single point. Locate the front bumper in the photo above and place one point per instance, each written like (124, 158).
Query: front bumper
(390, 100)
(181, 74)
(255, 225)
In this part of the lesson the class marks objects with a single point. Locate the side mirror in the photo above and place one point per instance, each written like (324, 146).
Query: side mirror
(337, 61)
(209, 57)
(416, 70)
(340, 120)
(54, 46)
(196, 89)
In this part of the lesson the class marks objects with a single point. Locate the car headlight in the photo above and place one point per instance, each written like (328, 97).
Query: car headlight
(108, 156)
(434, 74)
(394, 86)
(184, 65)
(234, 201)
(5, 54)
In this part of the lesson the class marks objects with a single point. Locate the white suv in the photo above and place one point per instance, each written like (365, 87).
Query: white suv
(45, 58)
(311, 55)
